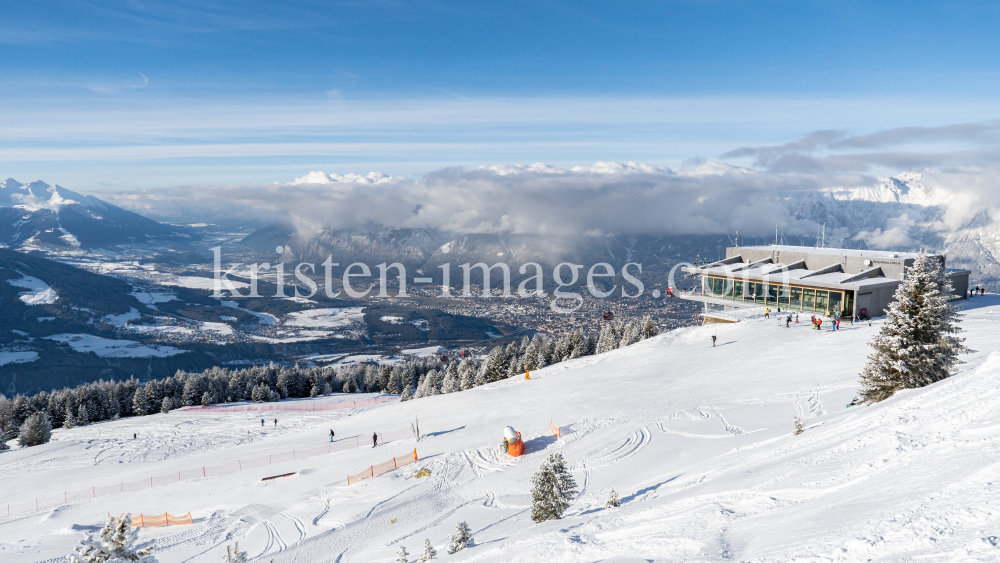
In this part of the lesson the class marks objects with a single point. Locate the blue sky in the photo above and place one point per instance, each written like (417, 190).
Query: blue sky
(117, 95)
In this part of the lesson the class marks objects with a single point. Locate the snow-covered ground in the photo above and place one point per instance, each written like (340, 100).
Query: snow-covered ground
(325, 318)
(696, 440)
(108, 348)
(39, 292)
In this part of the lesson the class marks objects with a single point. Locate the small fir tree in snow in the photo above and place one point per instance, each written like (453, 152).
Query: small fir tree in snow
(554, 490)
(613, 501)
(234, 555)
(631, 334)
(429, 552)
(36, 430)
(797, 427)
(82, 416)
(407, 393)
(402, 556)
(206, 399)
(3, 441)
(116, 543)
(166, 405)
(917, 345)
(461, 539)
(608, 340)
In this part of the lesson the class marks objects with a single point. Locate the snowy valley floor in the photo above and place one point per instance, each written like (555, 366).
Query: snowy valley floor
(696, 441)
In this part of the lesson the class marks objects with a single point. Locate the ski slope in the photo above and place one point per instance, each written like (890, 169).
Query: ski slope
(696, 440)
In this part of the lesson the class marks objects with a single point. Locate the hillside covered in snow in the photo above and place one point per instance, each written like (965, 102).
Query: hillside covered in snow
(697, 441)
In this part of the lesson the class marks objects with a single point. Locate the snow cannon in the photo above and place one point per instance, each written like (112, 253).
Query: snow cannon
(515, 445)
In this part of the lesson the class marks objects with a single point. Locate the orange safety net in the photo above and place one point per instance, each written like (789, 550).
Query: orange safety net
(160, 520)
(384, 467)
(555, 430)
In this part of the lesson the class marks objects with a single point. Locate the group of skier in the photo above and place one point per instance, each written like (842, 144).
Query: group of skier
(977, 291)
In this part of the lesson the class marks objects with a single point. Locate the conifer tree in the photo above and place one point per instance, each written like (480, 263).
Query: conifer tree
(613, 501)
(553, 491)
(428, 553)
(631, 334)
(467, 374)
(461, 539)
(493, 368)
(36, 430)
(608, 340)
(167, 405)
(3, 441)
(407, 394)
(917, 345)
(116, 542)
(402, 556)
(140, 402)
(797, 427)
(648, 328)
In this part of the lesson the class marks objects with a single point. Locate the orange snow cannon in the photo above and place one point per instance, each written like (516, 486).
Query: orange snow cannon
(515, 445)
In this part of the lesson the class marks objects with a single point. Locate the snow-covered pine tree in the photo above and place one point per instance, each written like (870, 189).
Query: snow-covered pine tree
(608, 340)
(613, 501)
(140, 402)
(562, 349)
(428, 553)
(631, 334)
(234, 555)
(797, 427)
(407, 394)
(578, 344)
(166, 405)
(467, 374)
(648, 328)
(554, 490)
(493, 368)
(917, 345)
(461, 539)
(402, 556)
(36, 430)
(115, 544)
(82, 416)
(206, 399)
(3, 441)
(450, 383)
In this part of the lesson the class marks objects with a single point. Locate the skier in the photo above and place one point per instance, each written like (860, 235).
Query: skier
(788, 321)
(276, 422)
(767, 313)
(331, 434)
(819, 323)
(262, 422)
(135, 435)
(374, 439)
(796, 318)
(713, 341)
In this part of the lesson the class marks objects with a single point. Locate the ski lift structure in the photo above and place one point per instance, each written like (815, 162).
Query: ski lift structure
(607, 315)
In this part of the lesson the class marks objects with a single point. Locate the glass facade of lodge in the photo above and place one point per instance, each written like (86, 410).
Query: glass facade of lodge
(784, 296)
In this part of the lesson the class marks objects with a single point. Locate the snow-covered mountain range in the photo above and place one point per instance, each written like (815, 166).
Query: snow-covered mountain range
(43, 216)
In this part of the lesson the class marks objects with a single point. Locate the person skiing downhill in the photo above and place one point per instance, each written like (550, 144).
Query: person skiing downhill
(331, 434)
(374, 439)
(276, 422)
(713, 341)
(262, 422)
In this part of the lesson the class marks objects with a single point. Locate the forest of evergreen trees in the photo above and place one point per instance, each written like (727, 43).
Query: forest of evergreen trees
(413, 378)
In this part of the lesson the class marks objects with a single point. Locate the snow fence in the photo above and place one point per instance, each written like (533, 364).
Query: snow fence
(384, 467)
(199, 473)
(160, 520)
(311, 407)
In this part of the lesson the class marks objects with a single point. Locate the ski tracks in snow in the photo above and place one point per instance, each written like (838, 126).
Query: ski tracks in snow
(632, 445)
